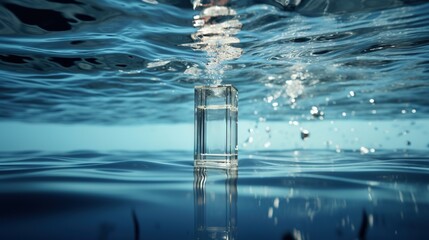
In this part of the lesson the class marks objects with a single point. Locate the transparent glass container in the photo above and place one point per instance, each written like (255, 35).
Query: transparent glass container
(216, 125)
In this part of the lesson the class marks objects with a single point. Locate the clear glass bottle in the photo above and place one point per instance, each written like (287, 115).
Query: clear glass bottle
(216, 126)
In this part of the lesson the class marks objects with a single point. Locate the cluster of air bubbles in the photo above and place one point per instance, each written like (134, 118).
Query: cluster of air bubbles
(216, 29)
(365, 150)
(250, 139)
(316, 113)
(291, 88)
(294, 88)
(256, 130)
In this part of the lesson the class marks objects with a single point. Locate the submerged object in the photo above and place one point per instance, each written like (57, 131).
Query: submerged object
(216, 125)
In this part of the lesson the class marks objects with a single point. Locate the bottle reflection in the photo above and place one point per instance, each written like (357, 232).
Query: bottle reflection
(215, 203)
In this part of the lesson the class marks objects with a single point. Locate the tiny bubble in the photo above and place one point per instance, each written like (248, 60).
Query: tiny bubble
(267, 129)
(351, 94)
(374, 111)
(408, 143)
(344, 114)
(372, 101)
(251, 130)
(267, 144)
(295, 123)
(337, 149)
(403, 111)
(413, 111)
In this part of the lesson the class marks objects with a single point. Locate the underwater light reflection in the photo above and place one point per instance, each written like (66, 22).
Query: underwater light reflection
(215, 205)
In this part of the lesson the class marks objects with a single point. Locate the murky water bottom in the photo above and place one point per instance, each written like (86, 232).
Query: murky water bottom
(159, 195)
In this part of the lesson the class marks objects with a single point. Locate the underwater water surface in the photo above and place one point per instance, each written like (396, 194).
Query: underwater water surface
(96, 111)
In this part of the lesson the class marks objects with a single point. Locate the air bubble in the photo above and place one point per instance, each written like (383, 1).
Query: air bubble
(304, 134)
(364, 150)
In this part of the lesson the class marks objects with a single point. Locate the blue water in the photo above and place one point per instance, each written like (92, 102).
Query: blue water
(96, 110)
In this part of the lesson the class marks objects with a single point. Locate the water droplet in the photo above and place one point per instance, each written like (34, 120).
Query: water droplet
(275, 104)
(408, 143)
(262, 119)
(344, 114)
(403, 111)
(351, 94)
(304, 134)
(270, 212)
(372, 101)
(249, 140)
(413, 111)
(267, 129)
(374, 111)
(251, 130)
(371, 220)
(267, 144)
(276, 202)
